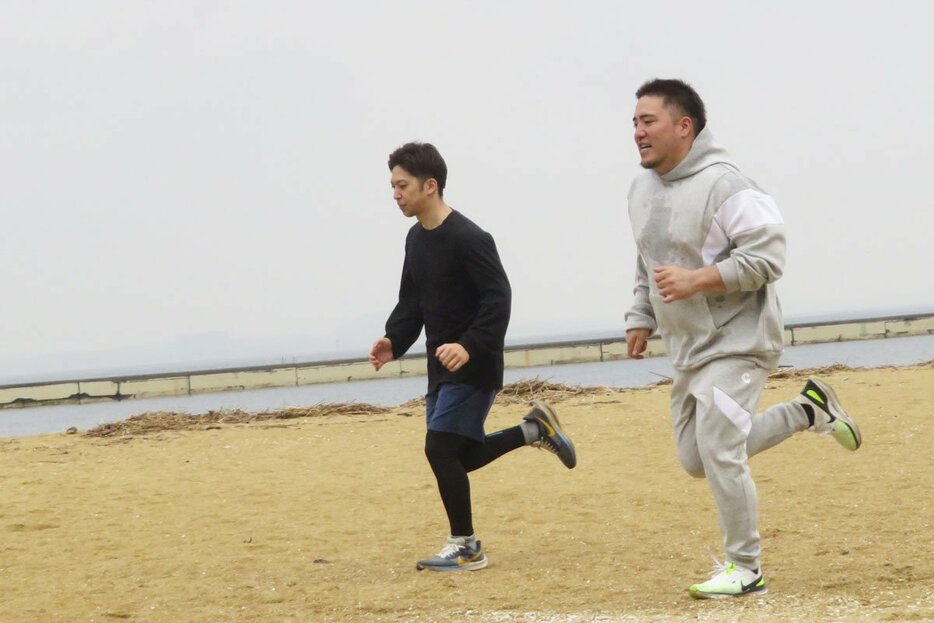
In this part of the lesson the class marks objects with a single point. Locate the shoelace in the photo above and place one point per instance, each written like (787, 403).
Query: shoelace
(547, 444)
(449, 551)
(718, 567)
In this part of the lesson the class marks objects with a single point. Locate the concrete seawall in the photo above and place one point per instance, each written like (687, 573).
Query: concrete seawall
(519, 356)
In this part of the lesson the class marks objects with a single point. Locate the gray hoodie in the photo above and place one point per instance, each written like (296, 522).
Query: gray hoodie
(705, 212)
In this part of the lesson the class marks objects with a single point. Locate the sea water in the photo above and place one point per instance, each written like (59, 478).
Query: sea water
(394, 391)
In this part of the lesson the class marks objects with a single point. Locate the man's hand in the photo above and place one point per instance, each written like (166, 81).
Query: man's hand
(676, 283)
(381, 352)
(636, 342)
(452, 356)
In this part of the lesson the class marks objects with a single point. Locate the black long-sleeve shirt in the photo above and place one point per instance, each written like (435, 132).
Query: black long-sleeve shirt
(454, 285)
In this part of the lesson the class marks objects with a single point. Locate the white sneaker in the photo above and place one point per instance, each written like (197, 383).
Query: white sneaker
(730, 580)
(836, 422)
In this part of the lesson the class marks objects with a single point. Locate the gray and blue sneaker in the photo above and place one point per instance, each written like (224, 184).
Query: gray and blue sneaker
(553, 438)
(459, 554)
(837, 423)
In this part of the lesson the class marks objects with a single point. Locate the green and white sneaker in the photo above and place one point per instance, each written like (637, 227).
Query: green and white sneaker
(838, 423)
(730, 580)
(460, 554)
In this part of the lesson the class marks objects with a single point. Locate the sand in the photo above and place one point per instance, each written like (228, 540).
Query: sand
(322, 519)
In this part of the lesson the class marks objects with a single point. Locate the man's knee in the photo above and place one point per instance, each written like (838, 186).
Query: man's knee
(692, 464)
(434, 448)
(441, 448)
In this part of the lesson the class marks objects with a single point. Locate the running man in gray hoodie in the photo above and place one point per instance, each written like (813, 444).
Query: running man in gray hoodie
(711, 244)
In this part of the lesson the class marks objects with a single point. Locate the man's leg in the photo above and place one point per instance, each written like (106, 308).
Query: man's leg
(462, 551)
(775, 425)
(476, 455)
(540, 428)
(443, 451)
(816, 408)
(699, 414)
(455, 414)
(726, 392)
(455, 417)
(683, 424)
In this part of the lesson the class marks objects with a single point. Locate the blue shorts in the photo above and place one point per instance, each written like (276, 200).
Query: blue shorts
(459, 409)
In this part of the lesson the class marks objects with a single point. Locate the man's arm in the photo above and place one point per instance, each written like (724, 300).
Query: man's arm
(756, 230)
(753, 230)
(758, 259)
(641, 315)
(487, 333)
(406, 321)
(640, 319)
(676, 283)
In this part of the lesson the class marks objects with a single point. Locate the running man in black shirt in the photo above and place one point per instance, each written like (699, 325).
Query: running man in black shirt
(454, 285)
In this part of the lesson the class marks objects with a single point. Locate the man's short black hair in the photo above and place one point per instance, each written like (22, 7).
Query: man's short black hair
(680, 94)
(422, 161)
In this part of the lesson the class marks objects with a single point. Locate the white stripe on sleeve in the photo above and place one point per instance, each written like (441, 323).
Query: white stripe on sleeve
(746, 210)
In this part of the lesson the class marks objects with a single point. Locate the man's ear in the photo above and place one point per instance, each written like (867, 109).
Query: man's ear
(686, 126)
(431, 186)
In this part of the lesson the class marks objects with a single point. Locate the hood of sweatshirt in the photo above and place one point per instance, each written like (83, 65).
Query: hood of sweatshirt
(705, 152)
(675, 222)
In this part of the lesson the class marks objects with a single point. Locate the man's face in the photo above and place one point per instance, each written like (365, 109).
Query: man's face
(662, 139)
(410, 194)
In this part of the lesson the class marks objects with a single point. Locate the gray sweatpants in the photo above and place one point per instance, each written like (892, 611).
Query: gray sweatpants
(716, 432)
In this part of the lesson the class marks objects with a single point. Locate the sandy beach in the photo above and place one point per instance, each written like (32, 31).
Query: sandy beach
(322, 517)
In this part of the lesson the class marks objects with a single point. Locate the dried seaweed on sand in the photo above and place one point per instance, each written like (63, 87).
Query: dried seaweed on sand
(156, 421)
(527, 390)
(520, 392)
(538, 389)
(795, 373)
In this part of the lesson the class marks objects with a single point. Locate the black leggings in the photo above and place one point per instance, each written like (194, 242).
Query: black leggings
(451, 456)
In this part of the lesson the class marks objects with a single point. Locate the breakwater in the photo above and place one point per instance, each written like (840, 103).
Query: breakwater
(611, 348)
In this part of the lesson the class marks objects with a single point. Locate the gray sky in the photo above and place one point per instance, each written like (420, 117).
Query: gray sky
(190, 181)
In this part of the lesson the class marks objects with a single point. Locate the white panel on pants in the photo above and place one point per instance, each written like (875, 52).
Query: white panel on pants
(741, 418)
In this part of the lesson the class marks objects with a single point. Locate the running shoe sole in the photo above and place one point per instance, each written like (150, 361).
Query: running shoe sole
(845, 430)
